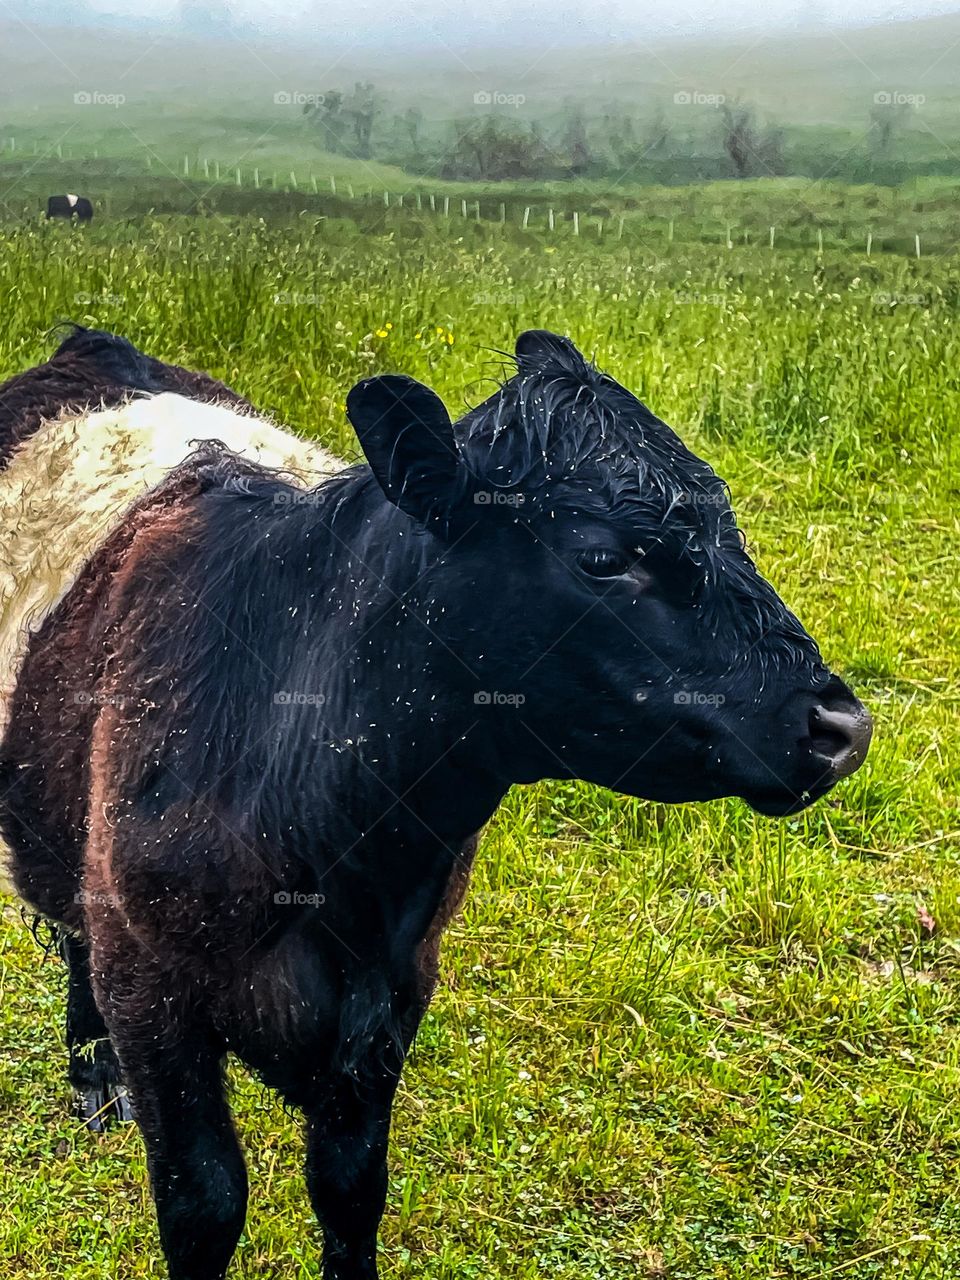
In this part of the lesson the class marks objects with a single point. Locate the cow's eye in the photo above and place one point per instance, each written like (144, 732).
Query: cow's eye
(606, 564)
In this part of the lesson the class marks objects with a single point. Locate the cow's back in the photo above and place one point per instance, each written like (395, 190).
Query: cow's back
(67, 487)
(73, 484)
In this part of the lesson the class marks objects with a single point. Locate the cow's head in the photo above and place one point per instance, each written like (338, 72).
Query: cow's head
(593, 595)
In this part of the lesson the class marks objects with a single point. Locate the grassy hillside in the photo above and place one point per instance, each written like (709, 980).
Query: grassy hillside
(377, 201)
(182, 96)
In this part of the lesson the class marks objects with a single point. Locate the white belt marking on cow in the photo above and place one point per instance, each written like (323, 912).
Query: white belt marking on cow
(72, 200)
(69, 485)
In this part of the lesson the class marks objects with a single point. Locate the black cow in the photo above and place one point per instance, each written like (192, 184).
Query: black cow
(299, 708)
(70, 206)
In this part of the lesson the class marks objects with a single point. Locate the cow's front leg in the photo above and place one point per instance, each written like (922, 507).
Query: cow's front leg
(347, 1137)
(348, 1113)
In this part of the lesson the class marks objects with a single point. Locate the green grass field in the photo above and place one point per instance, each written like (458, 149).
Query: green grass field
(800, 214)
(680, 1043)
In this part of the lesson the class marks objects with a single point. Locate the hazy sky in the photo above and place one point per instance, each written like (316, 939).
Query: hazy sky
(506, 21)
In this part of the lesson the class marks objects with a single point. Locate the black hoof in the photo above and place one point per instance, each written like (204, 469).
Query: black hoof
(99, 1108)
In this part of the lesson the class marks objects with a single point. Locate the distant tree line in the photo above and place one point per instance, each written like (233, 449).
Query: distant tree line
(727, 138)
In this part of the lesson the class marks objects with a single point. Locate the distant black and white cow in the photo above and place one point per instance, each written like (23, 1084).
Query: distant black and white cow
(256, 707)
(70, 206)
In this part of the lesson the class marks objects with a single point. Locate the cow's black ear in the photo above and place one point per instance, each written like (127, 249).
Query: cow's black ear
(408, 439)
(539, 350)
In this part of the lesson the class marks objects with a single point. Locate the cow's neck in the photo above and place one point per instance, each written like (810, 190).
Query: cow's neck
(399, 760)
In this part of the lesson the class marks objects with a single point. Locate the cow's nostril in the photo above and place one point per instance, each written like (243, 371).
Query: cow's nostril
(842, 734)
